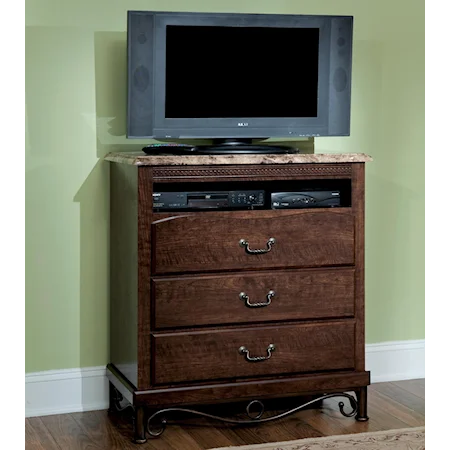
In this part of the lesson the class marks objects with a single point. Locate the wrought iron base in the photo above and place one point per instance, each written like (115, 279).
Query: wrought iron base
(116, 401)
(157, 422)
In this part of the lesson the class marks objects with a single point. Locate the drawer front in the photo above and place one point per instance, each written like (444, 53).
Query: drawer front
(253, 297)
(212, 355)
(214, 241)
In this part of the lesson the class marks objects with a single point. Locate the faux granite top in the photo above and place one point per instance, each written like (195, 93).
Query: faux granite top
(140, 159)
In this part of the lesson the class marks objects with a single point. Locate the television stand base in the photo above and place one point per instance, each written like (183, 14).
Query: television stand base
(218, 147)
(242, 149)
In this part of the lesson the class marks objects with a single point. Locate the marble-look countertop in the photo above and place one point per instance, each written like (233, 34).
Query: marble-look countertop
(141, 159)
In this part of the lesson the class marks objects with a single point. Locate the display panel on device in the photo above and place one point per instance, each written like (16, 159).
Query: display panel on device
(238, 72)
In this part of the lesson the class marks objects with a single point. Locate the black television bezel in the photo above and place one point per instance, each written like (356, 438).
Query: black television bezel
(330, 121)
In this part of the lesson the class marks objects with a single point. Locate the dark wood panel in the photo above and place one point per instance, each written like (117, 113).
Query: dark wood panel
(143, 272)
(358, 204)
(213, 300)
(209, 355)
(262, 388)
(211, 241)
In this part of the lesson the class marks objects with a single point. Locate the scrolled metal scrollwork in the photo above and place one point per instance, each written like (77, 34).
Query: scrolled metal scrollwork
(156, 429)
(353, 404)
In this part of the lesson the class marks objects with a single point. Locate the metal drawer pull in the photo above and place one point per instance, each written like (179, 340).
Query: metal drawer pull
(243, 351)
(244, 243)
(246, 298)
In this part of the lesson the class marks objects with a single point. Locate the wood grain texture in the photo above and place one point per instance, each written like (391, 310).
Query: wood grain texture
(69, 434)
(397, 393)
(203, 242)
(143, 270)
(101, 430)
(416, 387)
(210, 355)
(214, 300)
(198, 434)
(358, 206)
(230, 390)
(37, 436)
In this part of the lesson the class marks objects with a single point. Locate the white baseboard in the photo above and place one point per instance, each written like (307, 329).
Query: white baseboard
(65, 391)
(86, 389)
(396, 360)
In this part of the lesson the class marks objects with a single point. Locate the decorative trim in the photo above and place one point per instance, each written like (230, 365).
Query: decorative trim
(270, 171)
(86, 389)
(157, 422)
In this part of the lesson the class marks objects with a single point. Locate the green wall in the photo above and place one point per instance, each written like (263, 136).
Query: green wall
(75, 113)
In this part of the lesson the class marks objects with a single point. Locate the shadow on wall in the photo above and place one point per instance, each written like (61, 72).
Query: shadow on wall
(93, 197)
(111, 93)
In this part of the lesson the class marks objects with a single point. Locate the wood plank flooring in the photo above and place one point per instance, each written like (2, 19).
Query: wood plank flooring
(391, 405)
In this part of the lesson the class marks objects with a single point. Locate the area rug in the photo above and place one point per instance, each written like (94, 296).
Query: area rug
(403, 439)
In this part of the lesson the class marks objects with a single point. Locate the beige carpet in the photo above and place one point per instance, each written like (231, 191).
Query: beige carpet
(404, 439)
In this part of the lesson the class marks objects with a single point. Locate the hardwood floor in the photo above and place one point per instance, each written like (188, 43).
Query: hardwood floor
(391, 405)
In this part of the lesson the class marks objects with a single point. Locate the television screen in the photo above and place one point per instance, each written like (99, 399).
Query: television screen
(218, 72)
(231, 77)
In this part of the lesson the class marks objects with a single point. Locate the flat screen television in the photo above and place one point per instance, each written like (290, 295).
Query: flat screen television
(238, 77)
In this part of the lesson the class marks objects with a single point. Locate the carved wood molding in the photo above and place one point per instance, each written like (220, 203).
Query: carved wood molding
(261, 171)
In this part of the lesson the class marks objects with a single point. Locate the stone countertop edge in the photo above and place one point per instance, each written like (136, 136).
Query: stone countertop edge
(139, 159)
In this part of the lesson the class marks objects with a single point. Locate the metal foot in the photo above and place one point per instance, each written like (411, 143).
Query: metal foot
(139, 425)
(361, 395)
(157, 422)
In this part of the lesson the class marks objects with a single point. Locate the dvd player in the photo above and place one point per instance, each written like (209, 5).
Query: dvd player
(305, 199)
(164, 201)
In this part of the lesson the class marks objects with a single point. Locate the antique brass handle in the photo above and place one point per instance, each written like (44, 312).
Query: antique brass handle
(244, 243)
(244, 351)
(243, 296)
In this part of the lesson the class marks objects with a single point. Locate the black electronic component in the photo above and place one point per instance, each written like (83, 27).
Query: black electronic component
(305, 199)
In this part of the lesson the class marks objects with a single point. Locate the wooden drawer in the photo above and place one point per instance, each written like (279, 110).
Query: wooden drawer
(213, 241)
(191, 301)
(210, 355)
